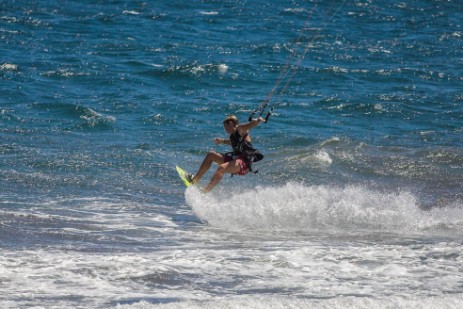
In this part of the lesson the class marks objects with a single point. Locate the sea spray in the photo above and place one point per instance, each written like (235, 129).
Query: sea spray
(297, 207)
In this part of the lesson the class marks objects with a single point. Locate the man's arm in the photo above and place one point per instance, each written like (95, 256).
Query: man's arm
(245, 127)
(219, 141)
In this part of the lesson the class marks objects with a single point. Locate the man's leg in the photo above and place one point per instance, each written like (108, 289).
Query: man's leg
(231, 167)
(212, 156)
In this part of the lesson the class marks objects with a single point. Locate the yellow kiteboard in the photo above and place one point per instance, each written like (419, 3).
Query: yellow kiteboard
(183, 176)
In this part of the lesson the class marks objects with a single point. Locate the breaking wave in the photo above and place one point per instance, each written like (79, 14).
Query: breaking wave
(297, 208)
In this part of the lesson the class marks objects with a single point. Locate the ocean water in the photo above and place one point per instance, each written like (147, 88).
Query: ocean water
(357, 204)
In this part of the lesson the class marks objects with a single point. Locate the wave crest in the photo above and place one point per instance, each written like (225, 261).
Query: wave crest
(297, 208)
(84, 117)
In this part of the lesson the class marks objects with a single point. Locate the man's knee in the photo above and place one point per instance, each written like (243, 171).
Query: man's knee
(211, 154)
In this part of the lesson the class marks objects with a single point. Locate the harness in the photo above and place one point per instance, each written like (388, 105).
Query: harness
(244, 149)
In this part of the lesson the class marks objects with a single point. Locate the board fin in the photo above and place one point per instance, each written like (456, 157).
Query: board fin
(183, 176)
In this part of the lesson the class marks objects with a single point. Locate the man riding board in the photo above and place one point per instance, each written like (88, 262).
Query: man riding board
(237, 162)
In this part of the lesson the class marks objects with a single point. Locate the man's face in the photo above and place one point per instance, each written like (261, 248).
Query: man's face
(229, 126)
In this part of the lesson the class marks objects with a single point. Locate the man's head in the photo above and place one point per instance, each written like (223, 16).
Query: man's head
(230, 124)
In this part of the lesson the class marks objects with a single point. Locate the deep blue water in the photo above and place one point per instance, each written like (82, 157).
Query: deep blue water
(101, 99)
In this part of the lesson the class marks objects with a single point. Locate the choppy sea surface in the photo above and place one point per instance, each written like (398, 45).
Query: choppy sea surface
(357, 204)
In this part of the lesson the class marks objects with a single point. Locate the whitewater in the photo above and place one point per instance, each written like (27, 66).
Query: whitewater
(294, 245)
(303, 209)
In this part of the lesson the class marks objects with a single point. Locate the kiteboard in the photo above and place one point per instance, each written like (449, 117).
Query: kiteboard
(183, 176)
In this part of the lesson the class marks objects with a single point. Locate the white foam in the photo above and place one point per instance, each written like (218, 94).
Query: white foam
(323, 156)
(94, 118)
(64, 72)
(204, 267)
(450, 301)
(130, 12)
(209, 13)
(198, 275)
(297, 207)
(295, 10)
(223, 68)
(8, 67)
(203, 68)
